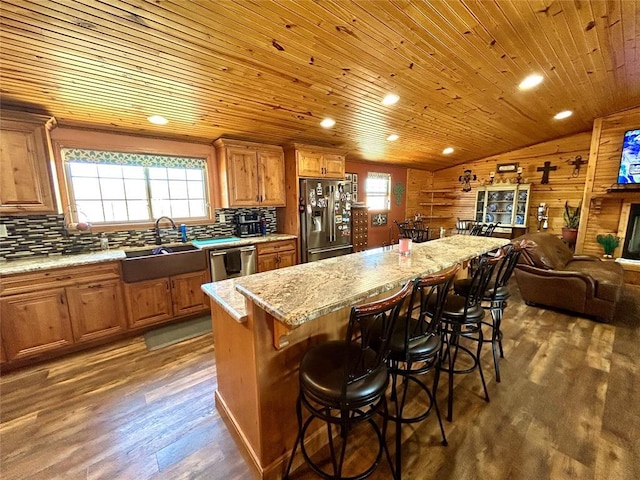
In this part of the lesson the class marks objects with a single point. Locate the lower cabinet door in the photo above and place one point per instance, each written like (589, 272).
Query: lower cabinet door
(34, 323)
(97, 310)
(267, 262)
(287, 258)
(148, 302)
(187, 295)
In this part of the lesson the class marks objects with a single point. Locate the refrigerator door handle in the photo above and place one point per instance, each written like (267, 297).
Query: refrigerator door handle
(332, 215)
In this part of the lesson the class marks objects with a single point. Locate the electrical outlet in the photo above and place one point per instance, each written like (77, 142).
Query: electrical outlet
(3, 231)
(223, 218)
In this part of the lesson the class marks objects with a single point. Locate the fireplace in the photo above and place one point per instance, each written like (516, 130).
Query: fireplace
(631, 248)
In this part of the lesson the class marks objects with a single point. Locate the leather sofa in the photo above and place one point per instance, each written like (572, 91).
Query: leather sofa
(548, 273)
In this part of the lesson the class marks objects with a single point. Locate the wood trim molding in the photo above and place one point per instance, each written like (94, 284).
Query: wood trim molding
(588, 186)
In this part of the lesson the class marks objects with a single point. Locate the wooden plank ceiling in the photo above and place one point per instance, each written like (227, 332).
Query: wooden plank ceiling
(270, 71)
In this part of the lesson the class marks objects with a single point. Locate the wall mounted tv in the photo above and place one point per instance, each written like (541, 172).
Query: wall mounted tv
(629, 172)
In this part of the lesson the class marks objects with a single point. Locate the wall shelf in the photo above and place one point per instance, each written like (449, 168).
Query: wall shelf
(437, 198)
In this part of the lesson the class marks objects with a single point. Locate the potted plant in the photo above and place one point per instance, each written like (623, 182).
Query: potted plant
(609, 244)
(571, 218)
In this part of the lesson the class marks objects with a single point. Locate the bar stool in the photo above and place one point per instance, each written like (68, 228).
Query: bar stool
(343, 382)
(495, 297)
(416, 349)
(462, 318)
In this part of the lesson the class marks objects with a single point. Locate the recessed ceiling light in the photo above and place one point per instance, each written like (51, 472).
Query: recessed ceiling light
(447, 150)
(563, 114)
(392, 137)
(390, 99)
(531, 81)
(158, 120)
(327, 123)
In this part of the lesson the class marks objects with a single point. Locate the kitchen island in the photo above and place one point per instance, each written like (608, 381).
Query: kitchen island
(264, 323)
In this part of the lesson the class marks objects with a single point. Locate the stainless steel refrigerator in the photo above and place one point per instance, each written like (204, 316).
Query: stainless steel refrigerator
(325, 219)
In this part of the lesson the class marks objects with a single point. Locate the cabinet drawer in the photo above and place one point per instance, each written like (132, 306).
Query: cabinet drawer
(275, 247)
(58, 277)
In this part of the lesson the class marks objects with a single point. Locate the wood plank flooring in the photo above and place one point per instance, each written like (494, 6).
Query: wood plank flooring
(568, 407)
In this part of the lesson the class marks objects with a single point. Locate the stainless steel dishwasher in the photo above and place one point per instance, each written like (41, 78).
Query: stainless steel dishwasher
(232, 262)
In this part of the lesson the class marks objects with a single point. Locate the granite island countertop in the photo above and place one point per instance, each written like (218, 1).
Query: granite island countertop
(304, 292)
(36, 263)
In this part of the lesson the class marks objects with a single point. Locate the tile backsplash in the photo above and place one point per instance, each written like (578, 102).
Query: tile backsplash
(33, 235)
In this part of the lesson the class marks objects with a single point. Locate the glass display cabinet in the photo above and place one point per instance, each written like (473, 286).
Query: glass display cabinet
(505, 204)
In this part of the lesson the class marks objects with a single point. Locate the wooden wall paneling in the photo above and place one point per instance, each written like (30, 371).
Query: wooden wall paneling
(603, 210)
(417, 180)
(562, 185)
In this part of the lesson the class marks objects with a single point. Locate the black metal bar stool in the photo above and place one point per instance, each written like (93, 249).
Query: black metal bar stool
(416, 349)
(462, 318)
(343, 382)
(495, 298)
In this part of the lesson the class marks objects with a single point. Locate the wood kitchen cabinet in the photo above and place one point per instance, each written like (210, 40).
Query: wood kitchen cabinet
(155, 301)
(97, 309)
(274, 255)
(35, 323)
(26, 183)
(251, 174)
(148, 302)
(317, 163)
(48, 310)
(186, 293)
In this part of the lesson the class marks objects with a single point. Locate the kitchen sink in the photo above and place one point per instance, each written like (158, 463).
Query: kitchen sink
(142, 265)
(150, 251)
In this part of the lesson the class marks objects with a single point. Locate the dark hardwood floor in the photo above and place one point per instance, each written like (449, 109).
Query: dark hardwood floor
(568, 407)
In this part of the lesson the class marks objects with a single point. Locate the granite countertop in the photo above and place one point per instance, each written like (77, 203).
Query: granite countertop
(225, 293)
(297, 294)
(61, 261)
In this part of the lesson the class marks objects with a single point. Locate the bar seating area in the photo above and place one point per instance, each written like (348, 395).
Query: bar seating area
(390, 348)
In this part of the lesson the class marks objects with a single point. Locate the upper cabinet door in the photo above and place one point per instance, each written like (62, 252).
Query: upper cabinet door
(334, 166)
(25, 183)
(310, 164)
(271, 177)
(243, 177)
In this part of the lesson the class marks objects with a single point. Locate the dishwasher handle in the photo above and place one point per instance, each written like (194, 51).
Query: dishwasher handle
(216, 253)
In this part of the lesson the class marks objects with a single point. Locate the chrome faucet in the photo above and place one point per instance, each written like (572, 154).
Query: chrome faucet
(158, 237)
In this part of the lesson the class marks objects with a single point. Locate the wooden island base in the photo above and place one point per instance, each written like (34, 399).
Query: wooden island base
(258, 383)
(263, 324)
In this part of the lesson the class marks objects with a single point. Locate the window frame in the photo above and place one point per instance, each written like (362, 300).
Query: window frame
(387, 196)
(105, 141)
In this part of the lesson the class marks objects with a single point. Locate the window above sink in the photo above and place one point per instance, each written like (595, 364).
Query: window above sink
(118, 187)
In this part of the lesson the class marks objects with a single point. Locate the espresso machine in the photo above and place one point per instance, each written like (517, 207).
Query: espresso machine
(247, 225)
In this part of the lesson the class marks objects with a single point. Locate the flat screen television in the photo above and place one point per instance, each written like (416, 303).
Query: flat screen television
(629, 172)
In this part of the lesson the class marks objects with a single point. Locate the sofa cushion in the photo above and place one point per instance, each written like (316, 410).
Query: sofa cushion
(607, 275)
(545, 250)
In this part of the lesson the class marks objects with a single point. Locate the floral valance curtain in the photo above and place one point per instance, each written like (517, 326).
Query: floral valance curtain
(132, 159)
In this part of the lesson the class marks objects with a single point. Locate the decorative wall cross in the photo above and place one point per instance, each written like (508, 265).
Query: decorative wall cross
(546, 169)
(465, 180)
(577, 163)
